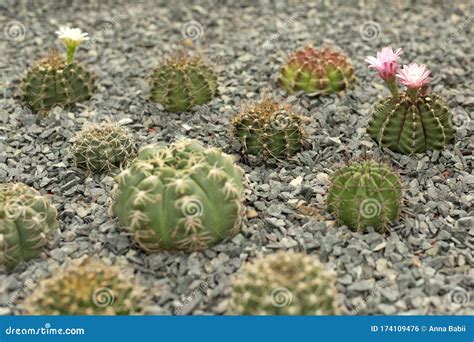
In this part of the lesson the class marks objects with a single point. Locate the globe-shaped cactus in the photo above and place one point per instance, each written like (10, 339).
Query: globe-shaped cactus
(103, 147)
(412, 125)
(365, 194)
(320, 71)
(27, 221)
(284, 284)
(180, 197)
(182, 83)
(86, 287)
(55, 82)
(269, 130)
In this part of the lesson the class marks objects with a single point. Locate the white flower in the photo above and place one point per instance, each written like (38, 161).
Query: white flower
(72, 35)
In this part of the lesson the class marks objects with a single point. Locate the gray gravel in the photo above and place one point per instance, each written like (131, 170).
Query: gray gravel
(423, 266)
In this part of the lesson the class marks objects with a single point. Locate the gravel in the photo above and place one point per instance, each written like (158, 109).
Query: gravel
(424, 265)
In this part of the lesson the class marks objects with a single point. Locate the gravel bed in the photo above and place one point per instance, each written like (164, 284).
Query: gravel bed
(424, 265)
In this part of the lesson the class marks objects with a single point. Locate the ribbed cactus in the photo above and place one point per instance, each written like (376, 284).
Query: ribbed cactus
(365, 194)
(411, 125)
(27, 221)
(103, 147)
(180, 197)
(270, 130)
(284, 283)
(181, 83)
(316, 71)
(85, 287)
(53, 81)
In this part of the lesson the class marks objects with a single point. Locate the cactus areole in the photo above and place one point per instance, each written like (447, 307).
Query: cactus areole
(180, 197)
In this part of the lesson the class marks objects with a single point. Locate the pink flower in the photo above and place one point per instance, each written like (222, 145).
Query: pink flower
(386, 62)
(414, 76)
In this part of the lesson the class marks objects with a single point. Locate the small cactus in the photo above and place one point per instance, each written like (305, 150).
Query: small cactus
(103, 147)
(27, 221)
(284, 283)
(411, 126)
(408, 122)
(365, 194)
(55, 82)
(270, 130)
(86, 287)
(180, 197)
(182, 83)
(316, 71)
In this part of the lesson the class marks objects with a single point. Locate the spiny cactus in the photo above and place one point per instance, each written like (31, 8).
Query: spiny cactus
(284, 283)
(53, 81)
(180, 197)
(103, 147)
(316, 71)
(181, 83)
(85, 287)
(365, 194)
(412, 121)
(27, 221)
(270, 130)
(411, 126)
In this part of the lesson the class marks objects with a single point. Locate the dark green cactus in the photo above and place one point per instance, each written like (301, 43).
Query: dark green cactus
(180, 197)
(284, 283)
(103, 147)
(54, 82)
(316, 71)
(269, 130)
(27, 221)
(365, 194)
(86, 287)
(182, 83)
(411, 125)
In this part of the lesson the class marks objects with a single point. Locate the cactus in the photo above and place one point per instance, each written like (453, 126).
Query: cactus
(53, 81)
(103, 147)
(409, 126)
(365, 194)
(284, 284)
(181, 83)
(270, 130)
(316, 71)
(85, 287)
(180, 197)
(27, 221)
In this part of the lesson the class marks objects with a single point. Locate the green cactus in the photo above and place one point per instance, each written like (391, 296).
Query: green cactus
(316, 71)
(27, 221)
(284, 283)
(269, 130)
(103, 147)
(180, 197)
(182, 83)
(53, 82)
(411, 125)
(365, 194)
(86, 287)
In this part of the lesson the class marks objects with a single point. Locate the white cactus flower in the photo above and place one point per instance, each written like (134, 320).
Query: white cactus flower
(72, 34)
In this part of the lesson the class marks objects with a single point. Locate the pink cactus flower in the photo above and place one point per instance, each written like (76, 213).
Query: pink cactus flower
(414, 76)
(385, 63)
